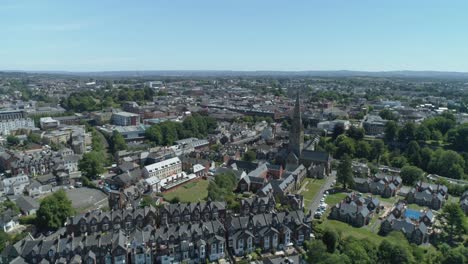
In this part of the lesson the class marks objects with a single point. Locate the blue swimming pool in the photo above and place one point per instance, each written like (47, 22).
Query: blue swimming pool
(413, 214)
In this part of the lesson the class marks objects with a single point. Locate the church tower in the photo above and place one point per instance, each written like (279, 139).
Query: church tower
(296, 135)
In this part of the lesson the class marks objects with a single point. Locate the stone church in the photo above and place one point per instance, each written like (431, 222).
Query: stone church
(318, 163)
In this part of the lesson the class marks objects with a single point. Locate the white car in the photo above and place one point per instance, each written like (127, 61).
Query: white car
(322, 200)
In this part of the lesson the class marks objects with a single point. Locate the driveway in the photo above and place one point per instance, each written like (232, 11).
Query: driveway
(327, 185)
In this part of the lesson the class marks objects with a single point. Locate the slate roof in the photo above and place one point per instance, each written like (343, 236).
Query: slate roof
(26, 203)
(320, 156)
(243, 165)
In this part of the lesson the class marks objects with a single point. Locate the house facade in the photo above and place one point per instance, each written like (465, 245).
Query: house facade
(355, 210)
(269, 232)
(416, 228)
(426, 194)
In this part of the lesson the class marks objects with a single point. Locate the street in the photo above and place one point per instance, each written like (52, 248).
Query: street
(316, 202)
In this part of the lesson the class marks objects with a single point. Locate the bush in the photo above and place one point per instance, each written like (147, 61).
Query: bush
(27, 220)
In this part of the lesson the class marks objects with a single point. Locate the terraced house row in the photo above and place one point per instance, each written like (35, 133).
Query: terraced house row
(134, 236)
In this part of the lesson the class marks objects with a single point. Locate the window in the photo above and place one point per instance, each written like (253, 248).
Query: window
(301, 236)
(240, 244)
(275, 240)
(221, 248)
(202, 251)
(286, 238)
(213, 248)
(249, 243)
(266, 242)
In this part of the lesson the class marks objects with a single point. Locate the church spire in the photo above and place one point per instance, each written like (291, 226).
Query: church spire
(296, 135)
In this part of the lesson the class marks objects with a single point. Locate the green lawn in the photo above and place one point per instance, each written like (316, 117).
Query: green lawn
(335, 198)
(310, 189)
(189, 192)
(348, 230)
(390, 200)
(416, 207)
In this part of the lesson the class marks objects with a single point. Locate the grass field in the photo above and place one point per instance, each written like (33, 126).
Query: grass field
(189, 192)
(310, 188)
(335, 198)
(348, 230)
(416, 207)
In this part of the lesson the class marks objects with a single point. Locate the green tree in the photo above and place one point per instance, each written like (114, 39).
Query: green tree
(330, 239)
(9, 205)
(147, 201)
(423, 133)
(344, 173)
(250, 156)
(413, 153)
(4, 239)
(426, 156)
(399, 161)
(34, 138)
(388, 114)
(316, 251)
(390, 253)
(154, 134)
(391, 131)
(378, 149)
(345, 145)
(221, 189)
(92, 164)
(54, 210)
(117, 142)
(458, 137)
(407, 133)
(359, 251)
(356, 133)
(363, 150)
(411, 174)
(454, 220)
(454, 256)
(12, 140)
(447, 163)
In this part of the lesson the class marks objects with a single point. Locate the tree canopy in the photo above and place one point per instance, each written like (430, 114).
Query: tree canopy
(344, 174)
(54, 210)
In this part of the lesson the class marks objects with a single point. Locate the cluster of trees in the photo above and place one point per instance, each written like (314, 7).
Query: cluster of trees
(388, 114)
(117, 142)
(12, 140)
(405, 149)
(96, 100)
(443, 162)
(54, 211)
(82, 101)
(92, 163)
(166, 133)
(332, 247)
(249, 155)
(221, 189)
(353, 144)
(435, 128)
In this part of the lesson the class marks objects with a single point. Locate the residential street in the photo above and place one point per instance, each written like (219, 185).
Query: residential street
(316, 202)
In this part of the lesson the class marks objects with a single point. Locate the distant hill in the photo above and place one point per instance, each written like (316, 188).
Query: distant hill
(188, 73)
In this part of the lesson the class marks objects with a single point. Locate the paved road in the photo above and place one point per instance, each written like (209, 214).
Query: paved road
(316, 202)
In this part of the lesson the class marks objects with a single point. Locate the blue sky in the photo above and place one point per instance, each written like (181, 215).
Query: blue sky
(234, 35)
